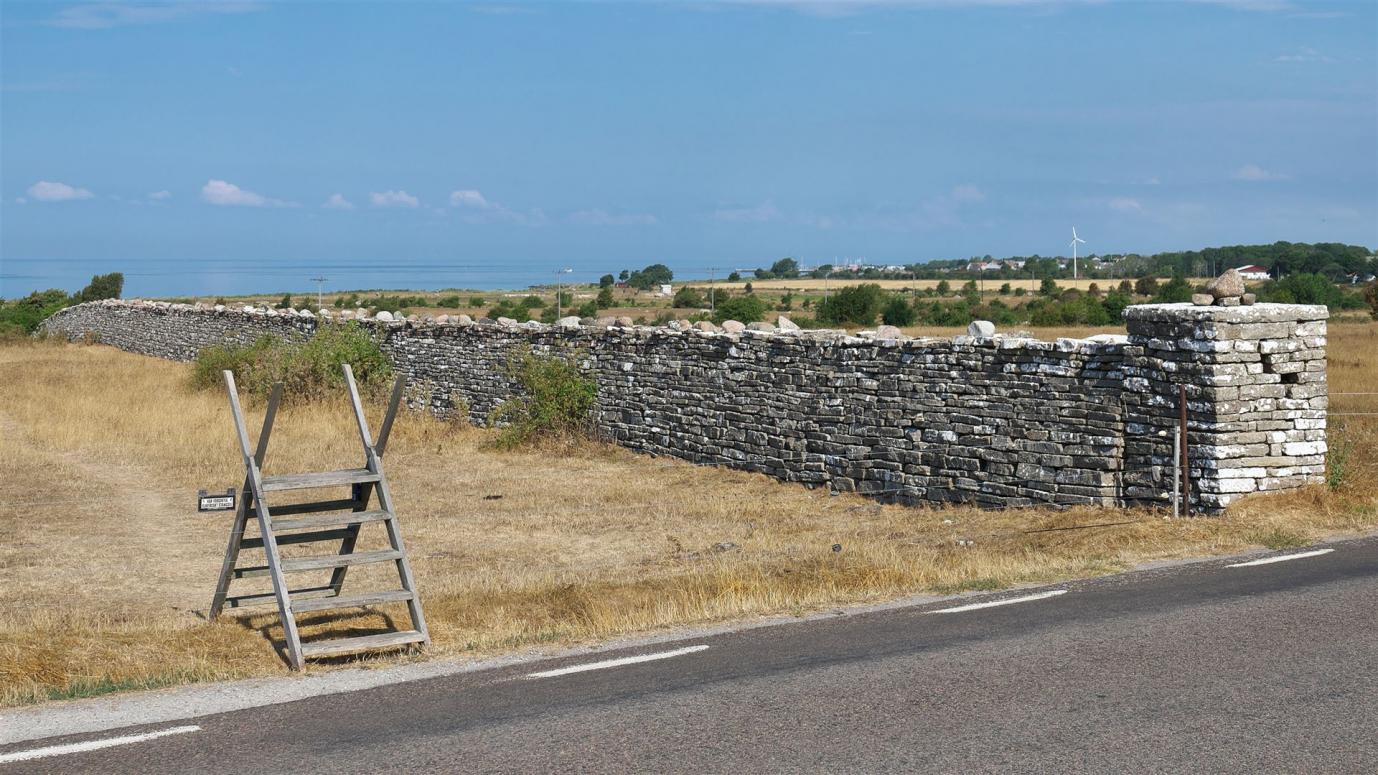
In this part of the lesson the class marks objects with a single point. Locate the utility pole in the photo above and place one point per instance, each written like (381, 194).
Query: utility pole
(560, 292)
(712, 276)
(320, 291)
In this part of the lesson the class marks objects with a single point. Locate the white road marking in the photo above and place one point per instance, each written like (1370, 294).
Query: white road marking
(92, 745)
(618, 662)
(1005, 601)
(1281, 558)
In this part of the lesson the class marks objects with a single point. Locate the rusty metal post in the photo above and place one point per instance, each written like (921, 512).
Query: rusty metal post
(1186, 463)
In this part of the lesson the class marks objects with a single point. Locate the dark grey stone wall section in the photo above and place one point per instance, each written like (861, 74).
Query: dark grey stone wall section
(1000, 422)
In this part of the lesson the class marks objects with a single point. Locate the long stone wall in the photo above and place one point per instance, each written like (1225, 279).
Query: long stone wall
(998, 421)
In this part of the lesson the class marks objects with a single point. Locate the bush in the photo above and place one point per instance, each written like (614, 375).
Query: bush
(102, 286)
(1309, 289)
(745, 309)
(308, 370)
(476, 301)
(605, 298)
(25, 314)
(554, 402)
(1371, 296)
(688, 298)
(897, 312)
(856, 304)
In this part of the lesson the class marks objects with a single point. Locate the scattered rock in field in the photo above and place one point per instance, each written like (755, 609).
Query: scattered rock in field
(725, 546)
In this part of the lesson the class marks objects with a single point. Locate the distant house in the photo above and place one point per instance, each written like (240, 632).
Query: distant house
(983, 266)
(1252, 272)
(665, 290)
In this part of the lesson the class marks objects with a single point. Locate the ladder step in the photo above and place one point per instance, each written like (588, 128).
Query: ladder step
(350, 601)
(322, 479)
(295, 538)
(323, 648)
(314, 507)
(338, 560)
(267, 598)
(328, 520)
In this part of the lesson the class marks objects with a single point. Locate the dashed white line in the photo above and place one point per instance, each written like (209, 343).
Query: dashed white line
(618, 662)
(1281, 558)
(1005, 601)
(92, 745)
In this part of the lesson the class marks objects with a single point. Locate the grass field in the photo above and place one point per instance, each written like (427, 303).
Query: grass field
(107, 569)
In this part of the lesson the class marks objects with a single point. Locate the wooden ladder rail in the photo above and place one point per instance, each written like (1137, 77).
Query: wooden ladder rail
(265, 526)
(373, 453)
(241, 514)
(363, 492)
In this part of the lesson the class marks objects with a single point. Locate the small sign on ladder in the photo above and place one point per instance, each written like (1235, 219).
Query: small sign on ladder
(207, 502)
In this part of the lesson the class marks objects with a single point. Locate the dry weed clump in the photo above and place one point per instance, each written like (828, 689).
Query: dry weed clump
(107, 569)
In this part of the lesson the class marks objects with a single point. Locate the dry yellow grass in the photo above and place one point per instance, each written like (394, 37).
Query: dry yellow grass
(106, 569)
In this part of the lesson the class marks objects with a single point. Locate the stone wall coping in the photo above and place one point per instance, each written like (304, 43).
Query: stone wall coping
(1257, 313)
(1097, 344)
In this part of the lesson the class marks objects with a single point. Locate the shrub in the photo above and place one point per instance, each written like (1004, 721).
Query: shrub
(688, 298)
(1308, 289)
(25, 314)
(897, 312)
(308, 370)
(605, 298)
(102, 286)
(1005, 289)
(857, 304)
(746, 309)
(476, 301)
(554, 402)
(1371, 296)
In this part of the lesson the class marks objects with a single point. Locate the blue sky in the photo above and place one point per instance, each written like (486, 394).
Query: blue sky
(233, 147)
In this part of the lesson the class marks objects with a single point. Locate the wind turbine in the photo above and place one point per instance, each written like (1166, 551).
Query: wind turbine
(1075, 240)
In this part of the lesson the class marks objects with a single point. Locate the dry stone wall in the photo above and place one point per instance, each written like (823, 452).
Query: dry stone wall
(998, 421)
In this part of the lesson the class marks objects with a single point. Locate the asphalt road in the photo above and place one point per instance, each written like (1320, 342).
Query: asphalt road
(1197, 668)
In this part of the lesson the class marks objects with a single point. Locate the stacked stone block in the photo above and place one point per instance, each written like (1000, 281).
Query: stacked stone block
(993, 420)
(1256, 398)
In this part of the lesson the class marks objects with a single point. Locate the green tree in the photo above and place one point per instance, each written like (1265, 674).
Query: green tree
(857, 304)
(1146, 286)
(286, 301)
(1048, 287)
(606, 281)
(1371, 296)
(897, 312)
(102, 286)
(650, 277)
(605, 299)
(785, 267)
(745, 309)
(688, 298)
(1005, 289)
(735, 277)
(944, 287)
(1175, 291)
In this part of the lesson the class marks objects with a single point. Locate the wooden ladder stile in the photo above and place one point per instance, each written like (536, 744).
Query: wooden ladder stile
(323, 522)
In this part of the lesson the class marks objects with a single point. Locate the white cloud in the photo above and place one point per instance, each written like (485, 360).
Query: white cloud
(1123, 204)
(598, 217)
(1256, 174)
(338, 202)
(99, 16)
(1305, 55)
(50, 191)
(766, 211)
(393, 199)
(219, 192)
(469, 198)
(160, 195)
(968, 193)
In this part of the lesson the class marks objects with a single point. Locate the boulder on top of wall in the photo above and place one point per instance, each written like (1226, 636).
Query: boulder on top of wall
(249, 308)
(888, 332)
(360, 313)
(220, 308)
(706, 326)
(785, 324)
(760, 326)
(486, 321)
(306, 313)
(733, 326)
(1228, 285)
(507, 322)
(604, 322)
(981, 328)
(463, 320)
(384, 316)
(1248, 299)
(624, 321)
(1202, 299)
(569, 321)
(442, 320)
